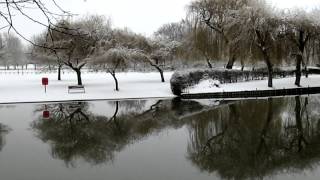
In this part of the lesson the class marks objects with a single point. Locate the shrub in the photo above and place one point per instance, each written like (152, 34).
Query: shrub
(182, 80)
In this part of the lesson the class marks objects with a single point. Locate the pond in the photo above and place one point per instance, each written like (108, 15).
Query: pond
(162, 139)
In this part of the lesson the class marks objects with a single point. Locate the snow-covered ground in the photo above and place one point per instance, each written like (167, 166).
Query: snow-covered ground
(98, 86)
(208, 86)
(18, 88)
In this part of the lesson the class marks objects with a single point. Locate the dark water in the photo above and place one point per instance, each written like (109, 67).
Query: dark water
(161, 140)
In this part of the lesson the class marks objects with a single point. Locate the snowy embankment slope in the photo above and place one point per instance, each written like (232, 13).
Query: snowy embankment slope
(207, 86)
(98, 86)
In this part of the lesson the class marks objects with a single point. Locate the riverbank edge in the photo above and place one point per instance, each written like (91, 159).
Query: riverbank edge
(253, 93)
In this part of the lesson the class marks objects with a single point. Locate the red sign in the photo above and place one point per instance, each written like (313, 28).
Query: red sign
(46, 114)
(45, 81)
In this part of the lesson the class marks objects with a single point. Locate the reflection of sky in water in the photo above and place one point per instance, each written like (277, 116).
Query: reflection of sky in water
(107, 108)
(159, 153)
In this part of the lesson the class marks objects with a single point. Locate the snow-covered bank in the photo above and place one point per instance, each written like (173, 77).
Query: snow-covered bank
(209, 86)
(98, 86)
(17, 88)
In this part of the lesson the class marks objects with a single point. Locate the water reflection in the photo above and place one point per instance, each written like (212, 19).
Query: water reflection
(238, 140)
(254, 139)
(74, 132)
(4, 130)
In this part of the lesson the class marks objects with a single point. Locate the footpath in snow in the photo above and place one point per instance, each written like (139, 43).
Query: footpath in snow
(18, 88)
(208, 86)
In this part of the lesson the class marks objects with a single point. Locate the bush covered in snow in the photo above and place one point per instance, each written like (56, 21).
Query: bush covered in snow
(182, 80)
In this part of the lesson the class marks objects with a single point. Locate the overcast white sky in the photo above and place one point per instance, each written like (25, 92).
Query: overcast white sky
(141, 16)
(307, 4)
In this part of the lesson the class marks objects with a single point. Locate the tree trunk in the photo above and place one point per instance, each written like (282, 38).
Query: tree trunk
(301, 45)
(78, 71)
(270, 68)
(306, 71)
(270, 75)
(298, 70)
(231, 62)
(242, 65)
(161, 72)
(158, 68)
(209, 63)
(266, 57)
(113, 74)
(59, 72)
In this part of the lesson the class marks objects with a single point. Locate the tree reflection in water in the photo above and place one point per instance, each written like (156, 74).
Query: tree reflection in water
(254, 139)
(245, 139)
(4, 130)
(73, 132)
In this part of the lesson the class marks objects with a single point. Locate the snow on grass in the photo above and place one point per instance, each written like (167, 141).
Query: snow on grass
(18, 88)
(207, 86)
(98, 86)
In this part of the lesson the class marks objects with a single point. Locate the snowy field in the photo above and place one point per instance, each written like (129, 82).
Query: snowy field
(208, 86)
(98, 86)
(18, 88)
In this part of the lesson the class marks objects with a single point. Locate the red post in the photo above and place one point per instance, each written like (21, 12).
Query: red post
(45, 113)
(45, 82)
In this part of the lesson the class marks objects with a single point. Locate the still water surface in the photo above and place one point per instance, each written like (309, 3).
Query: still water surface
(162, 140)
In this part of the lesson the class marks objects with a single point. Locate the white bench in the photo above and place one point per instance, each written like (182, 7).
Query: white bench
(76, 89)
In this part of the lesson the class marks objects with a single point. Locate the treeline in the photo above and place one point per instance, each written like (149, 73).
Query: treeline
(221, 32)
(12, 54)
(91, 41)
(250, 32)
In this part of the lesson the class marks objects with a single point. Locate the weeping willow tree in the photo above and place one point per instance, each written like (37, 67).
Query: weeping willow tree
(220, 16)
(301, 29)
(208, 43)
(265, 29)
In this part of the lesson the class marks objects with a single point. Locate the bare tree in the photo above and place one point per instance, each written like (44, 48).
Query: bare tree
(71, 43)
(49, 10)
(220, 16)
(154, 52)
(13, 53)
(264, 26)
(162, 50)
(207, 43)
(112, 59)
(299, 30)
(172, 31)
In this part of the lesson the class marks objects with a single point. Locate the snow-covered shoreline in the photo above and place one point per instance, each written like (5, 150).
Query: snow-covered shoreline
(27, 88)
(209, 86)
